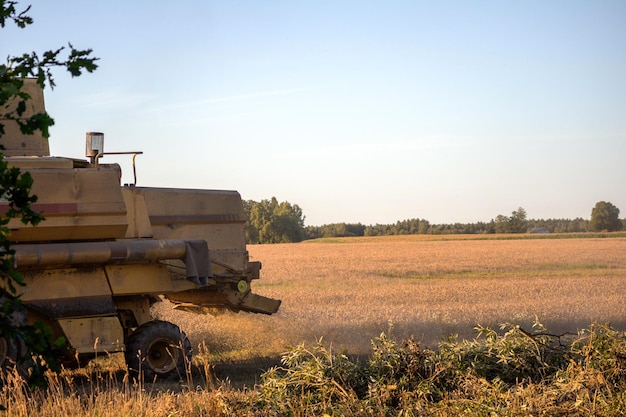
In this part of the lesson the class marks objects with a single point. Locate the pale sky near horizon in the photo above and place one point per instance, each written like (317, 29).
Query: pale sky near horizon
(356, 111)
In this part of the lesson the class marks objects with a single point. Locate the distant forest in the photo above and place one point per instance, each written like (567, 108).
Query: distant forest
(270, 221)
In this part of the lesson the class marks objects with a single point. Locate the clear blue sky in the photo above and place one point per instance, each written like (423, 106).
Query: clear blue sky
(357, 111)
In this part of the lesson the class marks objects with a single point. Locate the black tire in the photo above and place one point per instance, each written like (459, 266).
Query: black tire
(158, 350)
(13, 364)
(12, 348)
(9, 353)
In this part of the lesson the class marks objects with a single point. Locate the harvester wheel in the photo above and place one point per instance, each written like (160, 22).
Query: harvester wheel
(12, 362)
(8, 353)
(158, 350)
(12, 349)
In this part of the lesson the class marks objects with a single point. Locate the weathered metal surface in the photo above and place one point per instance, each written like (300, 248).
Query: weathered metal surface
(79, 253)
(78, 204)
(64, 284)
(105, 252)
(68, 292)
(227, 298)
(133, 311)
(94, 334)
(14, 141)
(73, 307)
(133, 279)
(216, 216)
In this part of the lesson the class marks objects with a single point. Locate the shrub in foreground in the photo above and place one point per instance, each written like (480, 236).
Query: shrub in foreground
(514, 372)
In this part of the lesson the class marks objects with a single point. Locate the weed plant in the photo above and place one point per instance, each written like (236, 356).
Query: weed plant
(513, 372)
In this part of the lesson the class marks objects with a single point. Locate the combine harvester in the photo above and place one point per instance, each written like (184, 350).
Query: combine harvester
(105, 253)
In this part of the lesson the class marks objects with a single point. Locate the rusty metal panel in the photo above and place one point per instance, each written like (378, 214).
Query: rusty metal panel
(94, 335)
(139, 279)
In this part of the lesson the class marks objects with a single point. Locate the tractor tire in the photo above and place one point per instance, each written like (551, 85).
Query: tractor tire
(9, 353)
(158, 350)
(12, 349)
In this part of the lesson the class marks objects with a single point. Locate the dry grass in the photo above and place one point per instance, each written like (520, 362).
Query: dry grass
(106, 394)
(350, 290)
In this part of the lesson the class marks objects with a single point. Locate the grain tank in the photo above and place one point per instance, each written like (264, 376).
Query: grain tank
(105, 253)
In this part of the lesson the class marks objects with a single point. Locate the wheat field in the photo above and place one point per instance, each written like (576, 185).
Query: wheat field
(347, 291)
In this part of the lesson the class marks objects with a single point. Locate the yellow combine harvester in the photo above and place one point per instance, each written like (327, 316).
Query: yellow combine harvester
(105, 253)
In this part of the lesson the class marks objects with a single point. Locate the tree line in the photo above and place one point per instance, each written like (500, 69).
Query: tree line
(272, 222)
